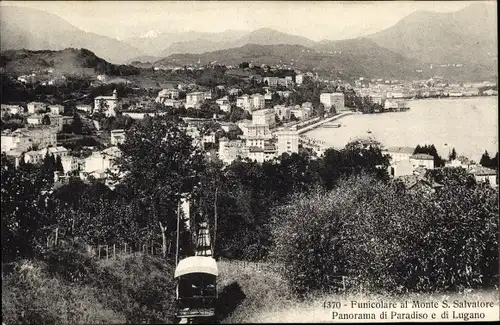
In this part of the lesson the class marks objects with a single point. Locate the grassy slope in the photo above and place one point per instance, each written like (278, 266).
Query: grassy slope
(139, 289)
(127, 290)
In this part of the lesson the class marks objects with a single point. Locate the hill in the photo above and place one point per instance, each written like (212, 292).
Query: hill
(468, 36)
(158, 43)
(68, 62)
(354, 58)
(262, 36)
(24, 28)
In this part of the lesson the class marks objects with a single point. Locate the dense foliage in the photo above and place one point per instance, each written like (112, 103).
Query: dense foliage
(384, 239)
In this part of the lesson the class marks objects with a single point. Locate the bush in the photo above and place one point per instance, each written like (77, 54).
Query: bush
(386, 240)
(68, 287)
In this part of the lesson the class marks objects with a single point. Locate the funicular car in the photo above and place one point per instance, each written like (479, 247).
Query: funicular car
(196, 287)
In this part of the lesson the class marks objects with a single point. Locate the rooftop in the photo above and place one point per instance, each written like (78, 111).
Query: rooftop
(407, 150)
(422, 156)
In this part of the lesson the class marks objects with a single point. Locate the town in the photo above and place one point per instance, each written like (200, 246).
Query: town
(260, 120)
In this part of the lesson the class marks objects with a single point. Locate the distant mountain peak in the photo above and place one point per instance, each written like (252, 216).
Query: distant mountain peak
(151, 34)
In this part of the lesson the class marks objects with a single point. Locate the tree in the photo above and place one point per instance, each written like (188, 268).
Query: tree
(160, 164)
(485, 159)
(58, 165)
(46, 120)
(76, 124)
(244, 65)
(453, 154)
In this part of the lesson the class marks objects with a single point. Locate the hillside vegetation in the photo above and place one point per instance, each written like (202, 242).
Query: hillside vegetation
(68, 61)
(66, 286)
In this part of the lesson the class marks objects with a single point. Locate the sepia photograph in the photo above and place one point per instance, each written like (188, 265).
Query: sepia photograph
(189, 162)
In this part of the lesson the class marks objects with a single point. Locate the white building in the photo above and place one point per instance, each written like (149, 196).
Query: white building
(230, 150)
(36, 107)
(37, 156)
(288, 141)
(271, 81)
(107, 104)
(195, 99)
(483, 174)
(56, 109)
(264, 117)
(330, 100)
(70, 164)
(165, 94)
(299, 79)
(11, 109)
(26, 138)
(300, 113)
(84, 108)
(422, 160)
(245, 102)
(283, 112)
(399, 153)
(224, 104)
(258, 101)
(117, 136)
(101, 161)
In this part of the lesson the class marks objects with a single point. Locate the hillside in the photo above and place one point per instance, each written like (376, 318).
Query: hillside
(358, 58)
(159, 43)
(468, 36)
(262, 36)
(24, 28)
(68, 62)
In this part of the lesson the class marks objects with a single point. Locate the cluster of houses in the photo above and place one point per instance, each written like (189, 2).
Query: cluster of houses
(410, 168)
(261, 140)
(392, 92)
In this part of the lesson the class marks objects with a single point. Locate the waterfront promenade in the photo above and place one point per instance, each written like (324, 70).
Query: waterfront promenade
(323, 121)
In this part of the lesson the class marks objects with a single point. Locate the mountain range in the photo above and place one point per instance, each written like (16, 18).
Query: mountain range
(467, 37)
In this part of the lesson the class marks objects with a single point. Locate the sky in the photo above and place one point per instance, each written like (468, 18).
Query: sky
(316, 20)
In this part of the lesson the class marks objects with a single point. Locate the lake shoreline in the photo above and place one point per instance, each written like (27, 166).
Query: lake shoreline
(468, 124)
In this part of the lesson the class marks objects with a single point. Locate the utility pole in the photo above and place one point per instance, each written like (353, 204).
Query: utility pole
(215, 221)
(178, 226)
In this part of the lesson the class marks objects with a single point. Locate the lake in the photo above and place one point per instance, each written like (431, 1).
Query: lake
(468, 124)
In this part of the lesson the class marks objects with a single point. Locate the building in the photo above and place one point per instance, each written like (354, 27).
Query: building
(283, 112)
(11, 109)
(401, 168)
(55, 120)
(195, 99)
(245, 102)
(117, 136)
(461, 161)
(258, 101)
(84, 108)
(399, 153)
(264, 117)
(101, 161)
(56, 109)
(36, 107)
(484, 175)
(107, 104)
(37, 156)
(261, 154)
(422, 160)
(288, 141)
(330, 100)
(299, 79)
(70, 164)
(165, 94)
(234, 91)
(230, 150)
(271, 81)
(224, 104)
(30, 137)
(300, 113)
